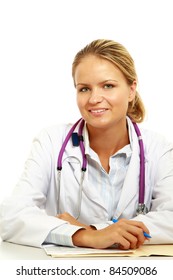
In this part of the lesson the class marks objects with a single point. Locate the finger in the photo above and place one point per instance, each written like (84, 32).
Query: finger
(140, 225)
(138, 233)
(122, 243)
(125, 235)
(132, 239)
(131, 232)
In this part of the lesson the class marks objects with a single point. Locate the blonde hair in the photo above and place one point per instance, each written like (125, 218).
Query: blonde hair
(120, 57)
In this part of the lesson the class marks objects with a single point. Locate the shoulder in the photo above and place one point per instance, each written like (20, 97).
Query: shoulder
(152, 140)
(53, 134)
(155, 142)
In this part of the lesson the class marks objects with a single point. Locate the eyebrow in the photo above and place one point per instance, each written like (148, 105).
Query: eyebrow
(105, 81)
(81, 84)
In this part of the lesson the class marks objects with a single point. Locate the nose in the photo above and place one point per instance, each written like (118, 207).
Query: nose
(95, 96)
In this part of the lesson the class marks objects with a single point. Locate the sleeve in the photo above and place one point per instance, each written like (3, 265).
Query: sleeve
(62, 235)
(23, 216)
(159, 219)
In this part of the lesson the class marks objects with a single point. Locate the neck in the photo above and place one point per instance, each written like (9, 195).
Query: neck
(108, 141)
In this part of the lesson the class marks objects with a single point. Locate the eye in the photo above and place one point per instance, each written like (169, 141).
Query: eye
(107, 86)
(83, 89)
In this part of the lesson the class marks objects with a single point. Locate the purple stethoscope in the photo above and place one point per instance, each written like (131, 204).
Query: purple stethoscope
(77, 140)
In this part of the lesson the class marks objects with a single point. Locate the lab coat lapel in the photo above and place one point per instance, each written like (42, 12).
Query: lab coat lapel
(74, 157)
(131, 183)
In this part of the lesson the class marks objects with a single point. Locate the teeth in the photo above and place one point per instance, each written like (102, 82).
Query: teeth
(98, 111)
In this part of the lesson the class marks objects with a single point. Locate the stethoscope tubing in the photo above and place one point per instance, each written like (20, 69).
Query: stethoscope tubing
(59, 162)
(142, 165)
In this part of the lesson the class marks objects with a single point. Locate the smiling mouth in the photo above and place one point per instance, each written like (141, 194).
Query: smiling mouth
(97, 111)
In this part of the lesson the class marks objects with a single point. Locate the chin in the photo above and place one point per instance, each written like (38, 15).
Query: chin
(102, 124)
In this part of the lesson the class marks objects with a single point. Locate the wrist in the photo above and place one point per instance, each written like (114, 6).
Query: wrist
(81, 238)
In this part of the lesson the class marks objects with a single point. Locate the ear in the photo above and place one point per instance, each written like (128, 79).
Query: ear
(132, 91)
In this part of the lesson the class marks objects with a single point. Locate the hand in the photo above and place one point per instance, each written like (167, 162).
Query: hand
(67, 217)
(128, 234)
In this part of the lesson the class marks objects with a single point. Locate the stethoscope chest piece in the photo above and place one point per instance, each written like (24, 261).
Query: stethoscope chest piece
(141, 209)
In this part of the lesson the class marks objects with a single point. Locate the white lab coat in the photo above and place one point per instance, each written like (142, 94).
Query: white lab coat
(28, 215)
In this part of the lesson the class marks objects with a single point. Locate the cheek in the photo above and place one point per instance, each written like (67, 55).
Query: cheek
(118, 99)
(119, 102)
(80, 102)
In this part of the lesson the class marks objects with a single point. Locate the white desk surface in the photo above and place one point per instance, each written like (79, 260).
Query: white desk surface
(10, 251)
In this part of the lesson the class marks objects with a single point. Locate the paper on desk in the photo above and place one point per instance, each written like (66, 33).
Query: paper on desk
(61, 251)
(154, 250)
(145, 250)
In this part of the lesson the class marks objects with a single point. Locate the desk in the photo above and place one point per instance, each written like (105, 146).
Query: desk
(10, 251)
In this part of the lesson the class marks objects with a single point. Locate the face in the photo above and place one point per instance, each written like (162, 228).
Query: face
(102, 92)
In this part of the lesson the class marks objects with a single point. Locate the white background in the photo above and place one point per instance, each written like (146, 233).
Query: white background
(38, 41)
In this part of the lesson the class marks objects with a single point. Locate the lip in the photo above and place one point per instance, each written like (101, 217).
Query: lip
(97, 111)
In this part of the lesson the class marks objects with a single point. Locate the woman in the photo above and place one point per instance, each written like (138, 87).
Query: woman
(78, 207)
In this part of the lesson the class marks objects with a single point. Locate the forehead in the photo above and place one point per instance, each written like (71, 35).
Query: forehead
(93, 60)
(92, 66)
